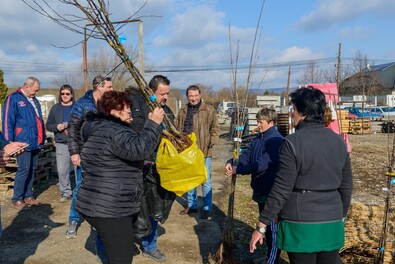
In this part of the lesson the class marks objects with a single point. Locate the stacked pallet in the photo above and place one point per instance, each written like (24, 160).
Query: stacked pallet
(344, 121)
(359, 127)
(251, 119)
(283, 123)
(7, 177)
(46, 162)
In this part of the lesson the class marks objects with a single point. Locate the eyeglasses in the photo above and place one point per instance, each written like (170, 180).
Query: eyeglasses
(65, 93)
(101, 81)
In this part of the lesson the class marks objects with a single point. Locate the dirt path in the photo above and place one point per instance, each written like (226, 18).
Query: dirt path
(37, 235)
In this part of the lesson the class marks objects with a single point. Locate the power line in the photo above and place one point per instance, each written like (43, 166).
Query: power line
(65, 68)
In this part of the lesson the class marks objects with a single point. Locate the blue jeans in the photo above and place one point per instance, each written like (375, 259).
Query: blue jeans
(150, 243)
(74, 215)
(24, 177)
(207, 190)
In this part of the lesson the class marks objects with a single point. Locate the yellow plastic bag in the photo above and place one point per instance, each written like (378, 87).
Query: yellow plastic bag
(180, 172)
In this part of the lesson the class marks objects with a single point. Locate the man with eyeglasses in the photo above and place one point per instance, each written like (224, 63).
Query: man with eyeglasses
(57, 123)
(85, 104)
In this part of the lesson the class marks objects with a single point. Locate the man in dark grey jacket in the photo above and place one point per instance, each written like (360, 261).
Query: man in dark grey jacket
(85, 104)
(160, 86)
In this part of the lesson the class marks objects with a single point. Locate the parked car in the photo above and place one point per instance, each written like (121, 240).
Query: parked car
(231, 110)
(224, 106)
(384, 111)
(358, 112)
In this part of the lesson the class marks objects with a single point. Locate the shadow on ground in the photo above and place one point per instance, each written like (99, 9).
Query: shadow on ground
(26, 234)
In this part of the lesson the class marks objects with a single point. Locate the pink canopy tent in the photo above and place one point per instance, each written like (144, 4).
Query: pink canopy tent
(332, 98)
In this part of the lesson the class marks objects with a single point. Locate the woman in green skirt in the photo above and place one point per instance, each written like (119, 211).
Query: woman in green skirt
(312, 191)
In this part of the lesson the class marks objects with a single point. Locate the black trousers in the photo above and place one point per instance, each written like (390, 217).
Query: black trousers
(117, 235)
(272, 252)
(331, 257)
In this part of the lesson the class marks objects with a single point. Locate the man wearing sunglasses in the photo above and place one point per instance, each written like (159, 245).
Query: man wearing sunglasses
(57, 123)
(85, 104)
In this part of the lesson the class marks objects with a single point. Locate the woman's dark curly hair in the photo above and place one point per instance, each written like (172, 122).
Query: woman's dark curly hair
(113, 100)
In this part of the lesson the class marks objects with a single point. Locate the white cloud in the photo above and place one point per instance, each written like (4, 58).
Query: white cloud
(294, 54)
(193, 27)
(331, 12)
(356, 33)
(199, 36)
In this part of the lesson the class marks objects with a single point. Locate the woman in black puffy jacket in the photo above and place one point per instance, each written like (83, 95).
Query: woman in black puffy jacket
(112, 160)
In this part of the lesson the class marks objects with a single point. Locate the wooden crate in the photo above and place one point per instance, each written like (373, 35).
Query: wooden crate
(342, 114)
(42, 174)
(6, 186)
(344, 126)
(46, 162)
(359, 127)
(283, 123)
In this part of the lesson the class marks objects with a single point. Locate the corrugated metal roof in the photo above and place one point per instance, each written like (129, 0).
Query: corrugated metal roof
(380, 67)
(384, 73)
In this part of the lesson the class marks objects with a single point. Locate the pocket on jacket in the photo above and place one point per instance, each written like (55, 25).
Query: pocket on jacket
(18, 130)
(22, 136)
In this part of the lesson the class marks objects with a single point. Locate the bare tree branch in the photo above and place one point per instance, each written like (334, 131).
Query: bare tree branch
(96, 12)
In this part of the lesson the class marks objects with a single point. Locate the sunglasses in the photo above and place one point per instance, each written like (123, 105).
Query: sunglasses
(65, 93)
(101, 82)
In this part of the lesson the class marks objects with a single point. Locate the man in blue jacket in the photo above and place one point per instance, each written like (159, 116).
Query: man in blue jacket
(85, 104)
(23, 122)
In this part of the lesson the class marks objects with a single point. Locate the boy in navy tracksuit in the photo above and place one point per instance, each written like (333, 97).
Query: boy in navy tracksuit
(260, 160)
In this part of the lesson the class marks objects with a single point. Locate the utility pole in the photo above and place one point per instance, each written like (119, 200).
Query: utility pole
(287, 100)
(338, 67)
(339, 118)
(287, 91)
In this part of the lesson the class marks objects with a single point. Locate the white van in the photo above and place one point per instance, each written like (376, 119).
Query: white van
(224, 106)
(46, 102)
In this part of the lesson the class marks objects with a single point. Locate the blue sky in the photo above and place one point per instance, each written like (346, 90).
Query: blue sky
(181, 34)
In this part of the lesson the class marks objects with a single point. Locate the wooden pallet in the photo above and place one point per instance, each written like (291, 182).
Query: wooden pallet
(46, 162)
(6, 186)
(357, 127)
(42, 174)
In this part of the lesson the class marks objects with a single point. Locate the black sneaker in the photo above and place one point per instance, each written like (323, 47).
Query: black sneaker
(155, 255)
(205, 214)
